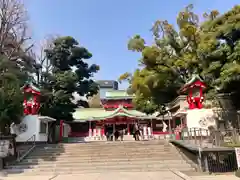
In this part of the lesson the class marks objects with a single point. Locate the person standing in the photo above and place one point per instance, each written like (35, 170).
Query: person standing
(13, 132)
(136, 132)
(13, 129)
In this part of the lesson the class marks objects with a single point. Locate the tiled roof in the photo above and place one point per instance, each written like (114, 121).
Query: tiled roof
(90, 114)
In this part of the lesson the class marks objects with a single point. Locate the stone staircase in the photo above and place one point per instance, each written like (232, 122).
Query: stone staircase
(94, 157)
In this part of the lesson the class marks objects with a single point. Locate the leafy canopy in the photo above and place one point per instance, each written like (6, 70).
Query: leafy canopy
(210, 49)
(11, 96)
(70, 73)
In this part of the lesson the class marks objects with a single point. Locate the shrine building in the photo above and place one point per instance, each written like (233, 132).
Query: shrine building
(117, 112)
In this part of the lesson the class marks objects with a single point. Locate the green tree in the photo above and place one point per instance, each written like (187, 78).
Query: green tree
(69, 73)
(220, 52)
(168, 63)
(11, 96)
(210, 49)
(16, 65)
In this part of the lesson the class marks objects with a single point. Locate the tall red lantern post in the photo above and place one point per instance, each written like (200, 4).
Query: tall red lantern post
(194, 89)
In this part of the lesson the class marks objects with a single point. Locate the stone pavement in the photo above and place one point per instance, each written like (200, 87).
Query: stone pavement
(163, 175)
(217, 177)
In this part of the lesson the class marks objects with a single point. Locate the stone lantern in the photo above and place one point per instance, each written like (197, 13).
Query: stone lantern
(194, 89)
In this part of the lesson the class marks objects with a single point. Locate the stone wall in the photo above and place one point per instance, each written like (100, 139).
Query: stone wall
(225, 111)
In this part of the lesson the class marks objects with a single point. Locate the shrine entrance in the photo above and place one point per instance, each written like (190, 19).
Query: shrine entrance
(98, 121)
(119, 127)
(121, 124)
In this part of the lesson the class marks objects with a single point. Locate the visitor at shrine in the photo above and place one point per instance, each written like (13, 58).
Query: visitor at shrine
(136, 132)
(109, 133)
(122, 133)
(13, 129)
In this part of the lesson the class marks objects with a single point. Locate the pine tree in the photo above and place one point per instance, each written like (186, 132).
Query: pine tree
(70, 73)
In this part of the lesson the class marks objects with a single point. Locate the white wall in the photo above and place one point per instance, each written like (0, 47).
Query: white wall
(41, 137)
(33, 127)
(201, 119)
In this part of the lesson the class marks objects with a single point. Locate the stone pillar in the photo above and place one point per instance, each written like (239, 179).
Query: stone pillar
(90, 129)
(114, 129)
(144, 132)
(128, 129)
(149, 130)
(99, 133)
(94, 133)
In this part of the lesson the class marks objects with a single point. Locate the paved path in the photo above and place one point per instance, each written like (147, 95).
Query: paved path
(104, 176)
(217, 177)
(167, 175)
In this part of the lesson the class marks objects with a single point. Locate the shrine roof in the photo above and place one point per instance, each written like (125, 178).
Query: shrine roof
(92, 114)
(118, 94)
(31, 86)
(194, 79)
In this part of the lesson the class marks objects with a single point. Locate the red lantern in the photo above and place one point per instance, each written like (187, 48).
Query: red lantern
(31, 99)
(194, 88)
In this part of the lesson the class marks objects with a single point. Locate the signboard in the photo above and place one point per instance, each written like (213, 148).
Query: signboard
(22, 127)
(6, 148)
(237, 152)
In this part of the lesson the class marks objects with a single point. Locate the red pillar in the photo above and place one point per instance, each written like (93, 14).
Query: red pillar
(177, 134)
(103, 128)
(61, 130)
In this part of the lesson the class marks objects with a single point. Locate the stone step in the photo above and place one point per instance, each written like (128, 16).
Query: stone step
(108, 143)
(96, 165)
(101, 157)
(105, 149)
(94, 154)
(17, 173)
(108, 147)
(46, 168)
(81, 148)
(97, 153)
(116, 161)
(109, 156)
(59, 159)
(100, 143)
(96, 145)
(115, 142)
(70, 157)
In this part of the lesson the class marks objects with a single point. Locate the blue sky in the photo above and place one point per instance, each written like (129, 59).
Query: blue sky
(104, 26)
